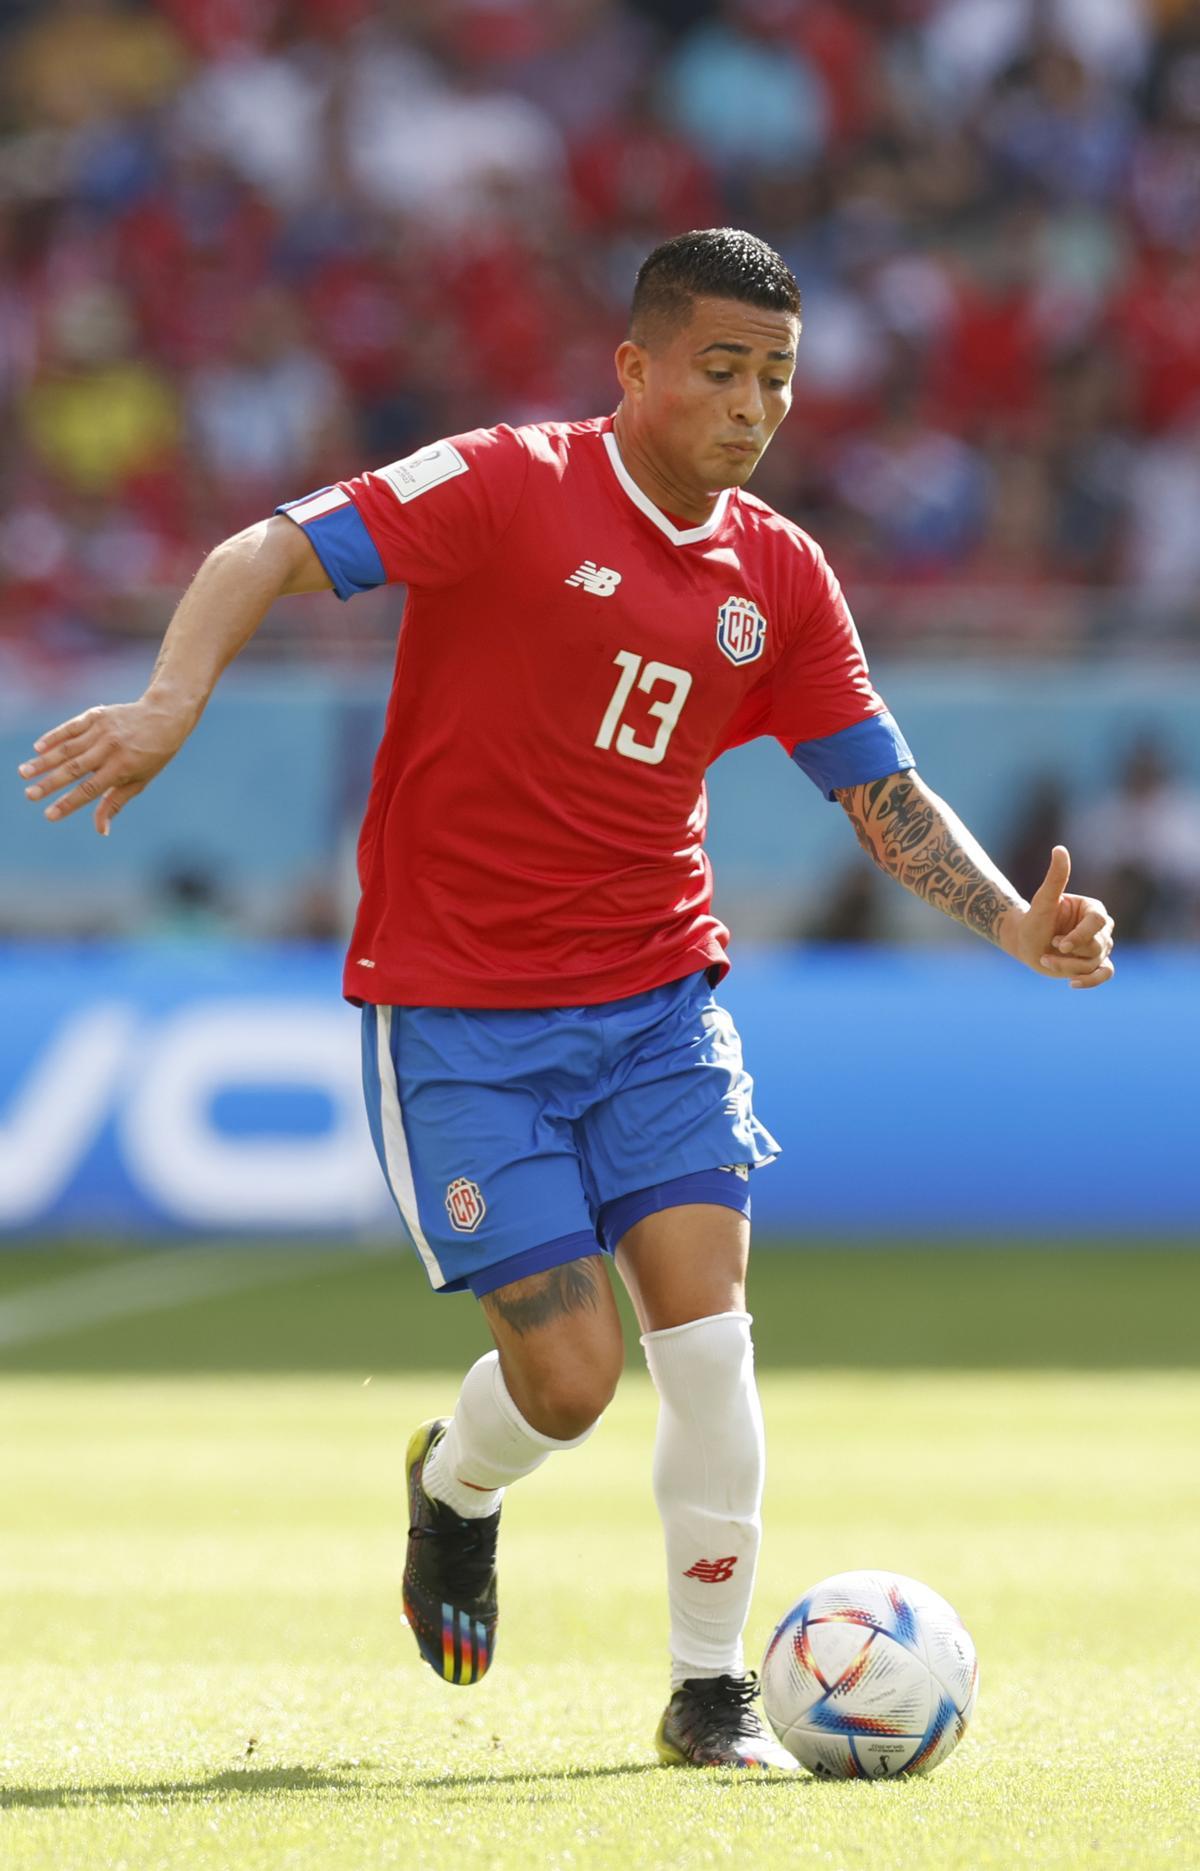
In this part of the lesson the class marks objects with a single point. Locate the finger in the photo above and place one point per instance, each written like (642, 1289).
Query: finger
(89, 788)
(54, 756)
(114, 799)
(62, 768)
(1098, 976)
(1089, 926)
(66, 730)
(1071, 967)
(1096, 947)
(1055, 881)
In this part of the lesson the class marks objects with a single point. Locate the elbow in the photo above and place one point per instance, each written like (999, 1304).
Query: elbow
(277, 556)
(305, 571)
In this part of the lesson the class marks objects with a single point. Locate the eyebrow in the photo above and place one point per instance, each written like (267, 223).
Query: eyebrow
(743, 350)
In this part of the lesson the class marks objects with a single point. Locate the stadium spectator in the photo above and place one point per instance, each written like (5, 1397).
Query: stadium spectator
(1143, 841)
(79, 60)
(632, 175)
(855, 910)
(263, 113)
(270, 403)
(922, 490)
(97, 415)
(1043, 815)
(743, 90)
(582, 60)
(1165, 490)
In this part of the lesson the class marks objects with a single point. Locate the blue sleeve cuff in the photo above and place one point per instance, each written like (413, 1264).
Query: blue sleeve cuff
(342, 543)
(869, 750)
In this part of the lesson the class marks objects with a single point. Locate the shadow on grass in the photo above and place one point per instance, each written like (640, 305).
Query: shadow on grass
(245, 1780)
(450, 1782)
(249, 1781)
(469, 1785)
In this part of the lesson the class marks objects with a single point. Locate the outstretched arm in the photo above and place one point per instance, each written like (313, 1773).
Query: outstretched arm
(914, 836)
(111, 754)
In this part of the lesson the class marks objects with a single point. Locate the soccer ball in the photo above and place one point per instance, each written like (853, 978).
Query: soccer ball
(870, 1675)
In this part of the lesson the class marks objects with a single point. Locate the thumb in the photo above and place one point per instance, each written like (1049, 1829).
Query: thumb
(1055, 881)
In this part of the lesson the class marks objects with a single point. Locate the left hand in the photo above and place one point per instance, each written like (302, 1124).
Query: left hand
(108, 755)
(1066, 937)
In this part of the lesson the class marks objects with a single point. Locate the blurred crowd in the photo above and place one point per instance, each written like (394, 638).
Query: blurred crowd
(1135, 844)
(248, 246)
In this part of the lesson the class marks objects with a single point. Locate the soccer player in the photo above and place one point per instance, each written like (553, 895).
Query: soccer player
(596, 610)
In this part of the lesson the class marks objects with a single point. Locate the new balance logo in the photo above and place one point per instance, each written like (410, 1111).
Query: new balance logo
(712, 1571)
(600, 580)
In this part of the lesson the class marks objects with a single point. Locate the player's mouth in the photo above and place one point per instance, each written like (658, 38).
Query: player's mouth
(741, 449)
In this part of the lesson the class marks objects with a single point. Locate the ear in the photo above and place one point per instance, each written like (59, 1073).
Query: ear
(632, 361)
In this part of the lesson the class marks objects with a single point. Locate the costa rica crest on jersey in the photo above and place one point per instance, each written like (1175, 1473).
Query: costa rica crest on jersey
(741, 630)
(465, 1205)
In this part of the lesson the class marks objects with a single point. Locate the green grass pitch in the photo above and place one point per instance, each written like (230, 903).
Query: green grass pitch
(202, 1665)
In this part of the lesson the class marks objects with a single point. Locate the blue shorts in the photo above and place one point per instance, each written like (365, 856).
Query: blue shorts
(516, 1139)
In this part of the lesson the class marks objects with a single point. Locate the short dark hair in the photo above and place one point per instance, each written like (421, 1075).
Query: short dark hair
(710, 262)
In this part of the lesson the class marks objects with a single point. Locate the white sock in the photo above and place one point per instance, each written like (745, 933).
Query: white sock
(487, 1445)
(709, 1459)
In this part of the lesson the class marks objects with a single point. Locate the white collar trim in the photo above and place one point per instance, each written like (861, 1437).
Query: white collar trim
(678, 536)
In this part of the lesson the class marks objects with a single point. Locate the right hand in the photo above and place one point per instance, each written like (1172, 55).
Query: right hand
(108, 755)
(1067, 937)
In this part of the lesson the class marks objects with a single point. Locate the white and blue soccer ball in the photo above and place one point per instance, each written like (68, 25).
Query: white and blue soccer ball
(870, 1675)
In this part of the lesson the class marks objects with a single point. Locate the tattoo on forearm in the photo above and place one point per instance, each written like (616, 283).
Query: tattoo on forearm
(543, 1297)
(907, 833)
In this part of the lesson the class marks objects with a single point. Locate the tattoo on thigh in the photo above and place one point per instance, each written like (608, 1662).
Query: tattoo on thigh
(535, 1301)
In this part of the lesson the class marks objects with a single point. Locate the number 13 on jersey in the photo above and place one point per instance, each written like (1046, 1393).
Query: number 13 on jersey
(667, 708)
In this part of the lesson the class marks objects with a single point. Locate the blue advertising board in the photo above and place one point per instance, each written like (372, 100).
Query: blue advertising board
(933, 1094)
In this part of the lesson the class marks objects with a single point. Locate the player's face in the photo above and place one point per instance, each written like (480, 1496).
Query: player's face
(710, 398)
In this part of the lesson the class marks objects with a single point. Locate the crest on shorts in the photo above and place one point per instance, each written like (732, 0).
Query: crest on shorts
(741, 630)
(465, 1205)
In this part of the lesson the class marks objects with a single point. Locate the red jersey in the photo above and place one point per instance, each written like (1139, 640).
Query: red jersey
(570, 662)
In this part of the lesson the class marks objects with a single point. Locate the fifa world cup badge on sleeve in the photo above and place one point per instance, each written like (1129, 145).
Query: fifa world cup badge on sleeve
(428, 468)
(465, 1205)
(741, 630)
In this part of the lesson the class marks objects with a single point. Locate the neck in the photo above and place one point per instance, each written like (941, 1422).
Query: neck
(656, 479)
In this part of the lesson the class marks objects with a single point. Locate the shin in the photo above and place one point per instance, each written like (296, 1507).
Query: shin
(708, 1479)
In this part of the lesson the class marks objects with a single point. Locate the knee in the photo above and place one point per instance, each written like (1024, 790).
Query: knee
(708, 1360)
(566, 1400)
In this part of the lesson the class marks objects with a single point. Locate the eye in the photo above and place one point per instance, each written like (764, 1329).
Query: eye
(720, 376)
(777, 383)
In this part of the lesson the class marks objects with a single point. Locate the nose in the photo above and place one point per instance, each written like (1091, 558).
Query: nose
(747, 405)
